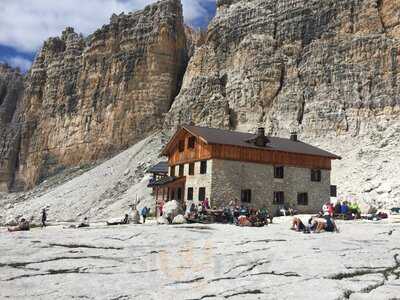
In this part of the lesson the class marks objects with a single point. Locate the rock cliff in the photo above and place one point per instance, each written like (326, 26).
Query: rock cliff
(328, 69)
(88, 98)
(11, 88)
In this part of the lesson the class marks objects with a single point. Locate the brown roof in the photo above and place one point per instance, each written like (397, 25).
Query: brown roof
(241, 139)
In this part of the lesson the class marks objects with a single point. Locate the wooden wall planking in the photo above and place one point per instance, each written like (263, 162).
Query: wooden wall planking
(203, 151)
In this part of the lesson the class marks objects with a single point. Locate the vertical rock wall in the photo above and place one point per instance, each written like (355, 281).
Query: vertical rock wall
(88, 98)
(11, 88)
(328, 69)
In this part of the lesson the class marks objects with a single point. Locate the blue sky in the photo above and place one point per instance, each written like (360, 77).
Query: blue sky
(25, 24)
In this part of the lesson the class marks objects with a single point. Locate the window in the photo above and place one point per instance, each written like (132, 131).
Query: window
(191, 169)
(279, 198)
(173, 195)
(246, 196)
(179, 196)
(181, 146)
(278, 172)
(333, 191)
(202, 194)
(172, 172)
(191, 142)
(203, 167)
(181, 170)
(190, 194)
(316, 175)
(302, 199)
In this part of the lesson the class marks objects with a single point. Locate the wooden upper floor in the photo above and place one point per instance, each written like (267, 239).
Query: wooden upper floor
(186, 146)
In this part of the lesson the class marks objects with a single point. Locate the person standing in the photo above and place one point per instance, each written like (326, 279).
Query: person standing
(145, 212)
(44, 217)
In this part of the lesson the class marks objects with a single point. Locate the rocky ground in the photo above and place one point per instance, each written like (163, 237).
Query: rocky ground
(97, 192)
(201, 262)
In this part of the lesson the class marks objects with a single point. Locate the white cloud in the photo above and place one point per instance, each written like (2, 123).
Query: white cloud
(25, 24)
(19, 62)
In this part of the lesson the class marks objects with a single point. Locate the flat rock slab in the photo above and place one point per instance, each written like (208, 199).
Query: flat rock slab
(201, 262)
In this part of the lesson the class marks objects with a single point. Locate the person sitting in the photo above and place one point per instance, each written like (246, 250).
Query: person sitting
(325, 224)
(344, 208)
(243, 211)
(354, 209)
(228, 215)
(298, 225)
(243, 221)
(263, 215)
(84, 223)
(22, 226)
(123, 221)
(338, 208)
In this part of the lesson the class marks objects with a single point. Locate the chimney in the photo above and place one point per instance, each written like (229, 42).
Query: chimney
(293, 137)
(261, 140)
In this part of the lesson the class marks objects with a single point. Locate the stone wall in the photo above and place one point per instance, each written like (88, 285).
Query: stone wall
(199, 180)
(229, 178)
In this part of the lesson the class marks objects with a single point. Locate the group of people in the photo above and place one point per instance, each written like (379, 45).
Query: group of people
(315, 224)
(233, 214)
(25, 225)
(346, 210)
(323, 221)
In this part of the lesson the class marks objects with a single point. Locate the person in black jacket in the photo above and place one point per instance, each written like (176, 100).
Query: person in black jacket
(44, 217)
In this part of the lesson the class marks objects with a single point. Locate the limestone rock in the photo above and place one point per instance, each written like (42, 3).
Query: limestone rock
(179, 219)
(88, 98)
(11, 87)
(328, 69)
(171, 209)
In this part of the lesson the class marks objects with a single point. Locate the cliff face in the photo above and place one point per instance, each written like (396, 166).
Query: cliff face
(86, 99)
(327, 66)
(11, 88)
(328, 69)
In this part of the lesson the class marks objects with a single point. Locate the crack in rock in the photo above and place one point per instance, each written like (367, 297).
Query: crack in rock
(84, 246)
(385, 271)
(260, 241)
(254, 265)
(248, 292)
(186, 281)
(22, 265)
(121, 239)
(79, 270)
(205, 297)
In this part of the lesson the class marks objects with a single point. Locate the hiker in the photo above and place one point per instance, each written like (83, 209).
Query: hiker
(344, 208)
(243, 211)
(264, 215)
(135, 215)
(327, 224)
(44, 217)
(206, 204)
(123, 221)
(354, 209)
(243, 221)
(297, 224)
(22, 226)
(338, 208)
(84, 223)
(145, 213)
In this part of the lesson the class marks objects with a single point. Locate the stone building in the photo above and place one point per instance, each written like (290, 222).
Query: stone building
(253, 169)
